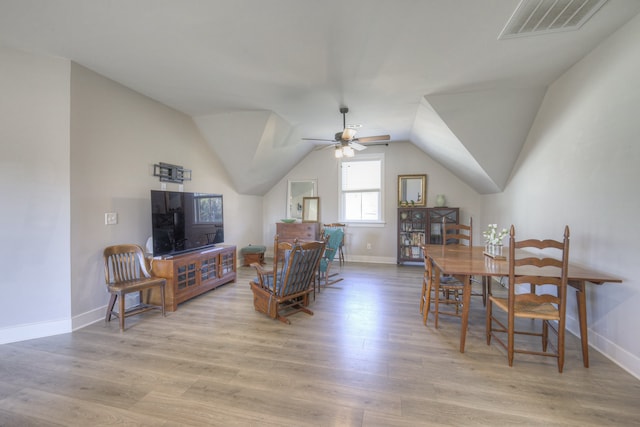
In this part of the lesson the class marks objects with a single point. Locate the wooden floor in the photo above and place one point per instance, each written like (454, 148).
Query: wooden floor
(363, 359)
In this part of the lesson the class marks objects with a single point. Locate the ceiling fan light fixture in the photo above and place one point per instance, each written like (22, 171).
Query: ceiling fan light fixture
(338, 152)
(348, 134)
(348, 151)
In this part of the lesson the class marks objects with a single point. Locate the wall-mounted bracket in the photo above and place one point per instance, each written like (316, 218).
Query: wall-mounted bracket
(171, 173)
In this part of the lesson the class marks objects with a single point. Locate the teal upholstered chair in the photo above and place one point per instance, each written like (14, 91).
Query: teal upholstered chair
(341, 248)
(333, 237)
(285, 289)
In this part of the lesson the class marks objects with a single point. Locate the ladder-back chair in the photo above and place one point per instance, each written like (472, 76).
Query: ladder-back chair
(538, 272)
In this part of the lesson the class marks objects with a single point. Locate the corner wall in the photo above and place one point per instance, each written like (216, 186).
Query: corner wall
(117, 135)
(34, 185)
(579, 166)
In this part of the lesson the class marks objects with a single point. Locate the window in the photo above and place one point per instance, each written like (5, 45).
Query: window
(361, 192)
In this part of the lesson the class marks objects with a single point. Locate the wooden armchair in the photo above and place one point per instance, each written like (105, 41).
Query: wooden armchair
(125, 272)
(533, 270)
(285, 289)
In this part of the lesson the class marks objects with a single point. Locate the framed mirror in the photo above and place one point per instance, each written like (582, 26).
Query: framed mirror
(412, 190)
(310, 209)
(296, 191)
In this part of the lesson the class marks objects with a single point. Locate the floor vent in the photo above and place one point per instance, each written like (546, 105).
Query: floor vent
(533, 17)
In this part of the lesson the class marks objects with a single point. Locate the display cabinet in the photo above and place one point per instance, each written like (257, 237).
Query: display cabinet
(417, 226)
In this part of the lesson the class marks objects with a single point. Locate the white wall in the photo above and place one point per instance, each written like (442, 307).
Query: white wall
(401, 158)
(34, 185)
(579, 167)
(116, 137)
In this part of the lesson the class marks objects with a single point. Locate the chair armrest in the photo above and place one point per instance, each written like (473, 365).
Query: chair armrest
(263, 274)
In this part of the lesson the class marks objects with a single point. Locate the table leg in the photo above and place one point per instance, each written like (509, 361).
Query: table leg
(581, 299)
(436, 306)
(466, 300)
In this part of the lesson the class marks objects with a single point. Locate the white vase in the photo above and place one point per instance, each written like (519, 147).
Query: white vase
(440, 200)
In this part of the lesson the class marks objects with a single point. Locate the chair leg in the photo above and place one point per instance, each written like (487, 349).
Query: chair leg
(436, 302)
(484, 290)
(121, 313)
(164, 314)
(511, 338)
(422, 295)
(561, 330)
(112, 303)
(427, 303)
(488, 322)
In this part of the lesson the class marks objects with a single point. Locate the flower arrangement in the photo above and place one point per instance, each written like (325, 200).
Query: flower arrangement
(494, 237)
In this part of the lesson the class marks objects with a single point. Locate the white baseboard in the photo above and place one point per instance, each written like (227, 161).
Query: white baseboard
(34, 330)
(50, 328)
(621, 357)
(353, 258)
(88, 318)
(370, 259)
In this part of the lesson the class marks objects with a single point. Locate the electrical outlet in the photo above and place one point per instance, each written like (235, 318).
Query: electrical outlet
(110, 218)
(368, 246)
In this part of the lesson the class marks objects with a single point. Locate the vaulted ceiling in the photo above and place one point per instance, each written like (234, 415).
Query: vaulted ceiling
(258, 75)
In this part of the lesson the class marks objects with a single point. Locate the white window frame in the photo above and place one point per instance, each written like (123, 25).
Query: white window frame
(341, 194)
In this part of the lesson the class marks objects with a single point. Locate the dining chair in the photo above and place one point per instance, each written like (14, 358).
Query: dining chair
(534, 292)
(125, 272)
(450, 288)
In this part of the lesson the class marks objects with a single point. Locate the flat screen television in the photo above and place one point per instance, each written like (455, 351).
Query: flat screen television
(183, 222)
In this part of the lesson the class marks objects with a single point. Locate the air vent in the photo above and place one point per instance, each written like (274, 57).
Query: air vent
(533, 17)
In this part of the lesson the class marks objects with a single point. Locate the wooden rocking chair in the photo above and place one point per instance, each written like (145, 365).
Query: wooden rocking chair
(285, 289)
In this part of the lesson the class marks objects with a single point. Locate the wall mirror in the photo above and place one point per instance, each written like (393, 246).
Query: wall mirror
(296, 191)
(412, 190)
(310, 209)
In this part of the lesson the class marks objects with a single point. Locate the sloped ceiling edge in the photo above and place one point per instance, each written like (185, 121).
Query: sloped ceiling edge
(258, 148)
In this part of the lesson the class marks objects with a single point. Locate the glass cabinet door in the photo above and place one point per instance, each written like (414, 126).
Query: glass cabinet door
(436, 215)
(412, 228)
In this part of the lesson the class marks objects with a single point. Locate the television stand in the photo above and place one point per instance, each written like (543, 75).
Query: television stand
(194, 273)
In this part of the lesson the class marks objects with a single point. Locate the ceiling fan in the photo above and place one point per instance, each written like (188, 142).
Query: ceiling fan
(345, 141)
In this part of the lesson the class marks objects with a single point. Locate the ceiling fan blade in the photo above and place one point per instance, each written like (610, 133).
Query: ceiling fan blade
(322, 147)
(317, 139)
(366, 139)
(356, 146)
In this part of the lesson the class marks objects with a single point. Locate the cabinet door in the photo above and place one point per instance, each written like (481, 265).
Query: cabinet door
(436, 215)
(208, 268)
(227, 262)
(186, 276)
(411, 234)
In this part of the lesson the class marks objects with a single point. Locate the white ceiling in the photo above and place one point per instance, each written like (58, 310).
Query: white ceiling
(257, 75)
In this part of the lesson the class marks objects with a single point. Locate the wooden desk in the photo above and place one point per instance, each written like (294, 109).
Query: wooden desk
(464, 261)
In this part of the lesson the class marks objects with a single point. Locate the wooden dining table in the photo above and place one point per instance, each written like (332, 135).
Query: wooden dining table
(461, 260)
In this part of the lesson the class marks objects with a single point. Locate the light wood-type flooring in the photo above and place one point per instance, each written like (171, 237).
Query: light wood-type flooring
(363, 359)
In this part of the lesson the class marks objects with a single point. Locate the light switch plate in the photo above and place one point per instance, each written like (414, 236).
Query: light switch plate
(111, 218)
